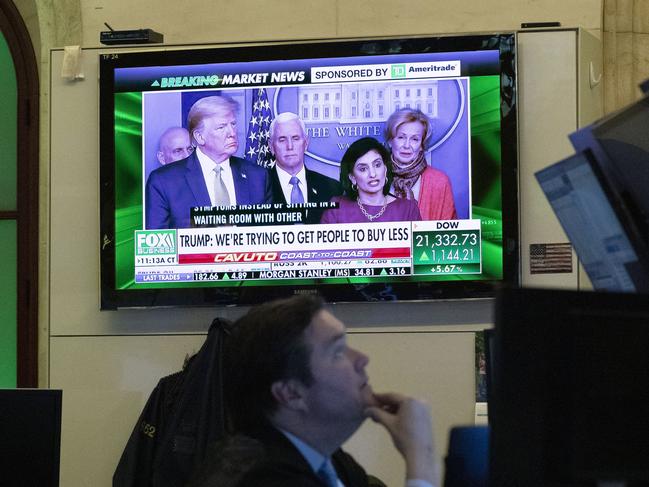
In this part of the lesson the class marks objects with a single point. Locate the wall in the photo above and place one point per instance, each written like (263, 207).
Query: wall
(107, 363)
(253, 19)
(626, 42)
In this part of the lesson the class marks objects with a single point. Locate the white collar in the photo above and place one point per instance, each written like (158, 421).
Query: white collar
(208, 165)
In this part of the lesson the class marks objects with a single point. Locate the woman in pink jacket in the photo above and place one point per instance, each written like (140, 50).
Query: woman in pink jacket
(408, 132)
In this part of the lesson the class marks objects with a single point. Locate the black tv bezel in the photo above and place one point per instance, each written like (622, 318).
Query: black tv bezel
(112, 299)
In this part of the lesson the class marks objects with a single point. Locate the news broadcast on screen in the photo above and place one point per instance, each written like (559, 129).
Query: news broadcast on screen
(367, 164)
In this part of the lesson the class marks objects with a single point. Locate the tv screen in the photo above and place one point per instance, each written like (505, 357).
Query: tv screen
(379, 169)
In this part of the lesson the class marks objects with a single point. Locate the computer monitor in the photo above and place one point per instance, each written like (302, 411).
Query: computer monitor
(619, 145)
(600, 226)
(30, 429)
(600, 197)
(568, 406)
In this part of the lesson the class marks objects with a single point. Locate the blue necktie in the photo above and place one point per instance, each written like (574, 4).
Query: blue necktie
(327, 474)
(296, 192)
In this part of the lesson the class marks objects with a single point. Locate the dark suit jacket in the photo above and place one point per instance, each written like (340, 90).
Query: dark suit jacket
(173, 189)
(284, 466)
(319, 188)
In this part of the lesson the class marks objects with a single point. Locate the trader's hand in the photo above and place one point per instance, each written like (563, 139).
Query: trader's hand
(409, 423)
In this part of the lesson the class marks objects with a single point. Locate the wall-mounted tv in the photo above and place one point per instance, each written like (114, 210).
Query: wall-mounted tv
(364, 170)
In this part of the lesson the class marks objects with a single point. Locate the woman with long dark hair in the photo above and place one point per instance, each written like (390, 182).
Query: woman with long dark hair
(366, 177)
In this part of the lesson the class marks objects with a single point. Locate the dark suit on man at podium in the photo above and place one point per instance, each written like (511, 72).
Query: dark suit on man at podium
(318, 188)
(292, 182)
(211, 175)
(173, 189)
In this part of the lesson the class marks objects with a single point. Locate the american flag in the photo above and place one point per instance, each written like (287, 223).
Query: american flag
(257, 149)
(550, 258)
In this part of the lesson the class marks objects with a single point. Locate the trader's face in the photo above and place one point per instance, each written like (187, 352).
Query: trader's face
(288, 145)
(407, 142)
(369, 173)
(217, 136)
(174, 146)
(340, 392)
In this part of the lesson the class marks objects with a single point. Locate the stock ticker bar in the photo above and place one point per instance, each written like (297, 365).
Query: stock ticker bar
(303, 273)
(345, 272)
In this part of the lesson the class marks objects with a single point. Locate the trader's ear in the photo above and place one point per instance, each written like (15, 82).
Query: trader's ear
(289, 394)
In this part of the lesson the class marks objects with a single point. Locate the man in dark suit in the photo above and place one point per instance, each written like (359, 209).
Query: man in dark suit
(292, 181)
(294, 385)
(211, 175)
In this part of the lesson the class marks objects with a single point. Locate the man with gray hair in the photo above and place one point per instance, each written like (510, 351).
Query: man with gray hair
(211, 176)
(292, 181)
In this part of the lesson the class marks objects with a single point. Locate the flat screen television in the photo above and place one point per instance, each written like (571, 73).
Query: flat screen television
(201, 252)
(568, 403)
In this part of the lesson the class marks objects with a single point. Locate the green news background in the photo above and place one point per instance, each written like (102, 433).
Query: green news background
(485, 177)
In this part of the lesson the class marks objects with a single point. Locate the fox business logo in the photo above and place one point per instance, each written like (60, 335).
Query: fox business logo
(246, 257)
(158, 242)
